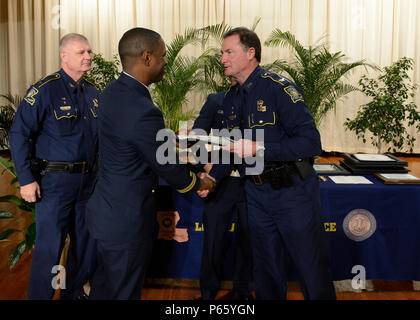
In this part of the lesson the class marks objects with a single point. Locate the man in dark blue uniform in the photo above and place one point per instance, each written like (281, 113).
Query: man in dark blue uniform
(121, 213)
(284, 207)
(55, 130)
(219, 208)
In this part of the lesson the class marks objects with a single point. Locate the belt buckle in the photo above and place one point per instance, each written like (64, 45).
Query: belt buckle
(258, 181)
(84, 167)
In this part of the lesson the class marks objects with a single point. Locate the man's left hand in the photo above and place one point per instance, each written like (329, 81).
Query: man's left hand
(243, 148)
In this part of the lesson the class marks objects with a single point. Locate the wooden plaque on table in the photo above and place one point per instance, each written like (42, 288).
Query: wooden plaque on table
(397, 178)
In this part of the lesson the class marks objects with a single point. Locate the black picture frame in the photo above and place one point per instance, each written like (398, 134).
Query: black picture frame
(371, 169)
(351, 159)
(328, 168)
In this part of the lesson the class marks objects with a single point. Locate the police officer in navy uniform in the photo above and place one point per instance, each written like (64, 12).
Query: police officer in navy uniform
(226, 201)
(121, 213)
(284, 207)
(53, 145)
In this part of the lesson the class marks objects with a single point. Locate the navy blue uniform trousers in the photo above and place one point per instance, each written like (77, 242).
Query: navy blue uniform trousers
(288, 219)
(121, 270)
(61, 211)
(227, 200)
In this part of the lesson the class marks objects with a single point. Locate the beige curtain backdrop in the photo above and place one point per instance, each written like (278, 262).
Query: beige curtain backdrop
(380, 31)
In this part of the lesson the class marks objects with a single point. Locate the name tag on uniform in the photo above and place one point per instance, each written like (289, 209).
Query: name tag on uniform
(65, 108)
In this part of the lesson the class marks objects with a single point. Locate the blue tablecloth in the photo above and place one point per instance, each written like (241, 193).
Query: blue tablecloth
(391, 252)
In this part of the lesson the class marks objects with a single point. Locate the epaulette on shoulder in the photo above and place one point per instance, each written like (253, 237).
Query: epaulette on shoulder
(276, 78)
(34, 89)
(47, 79)
(288, 86)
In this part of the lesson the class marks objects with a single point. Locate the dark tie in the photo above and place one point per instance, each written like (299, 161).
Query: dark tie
(89, 142)
(241, 107)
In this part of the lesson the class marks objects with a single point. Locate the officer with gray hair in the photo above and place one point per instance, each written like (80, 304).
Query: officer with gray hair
(53, 145)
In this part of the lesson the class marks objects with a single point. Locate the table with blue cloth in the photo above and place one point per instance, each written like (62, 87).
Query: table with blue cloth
(375, 226)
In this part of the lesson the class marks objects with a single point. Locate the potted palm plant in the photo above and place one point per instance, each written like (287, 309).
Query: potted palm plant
(214, 76)
(7, 113)
(29, 232)
(183, 75)
(316, 71)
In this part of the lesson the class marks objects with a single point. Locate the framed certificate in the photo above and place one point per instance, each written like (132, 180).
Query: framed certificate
(373, 160)
(329, 168)
(397, 178)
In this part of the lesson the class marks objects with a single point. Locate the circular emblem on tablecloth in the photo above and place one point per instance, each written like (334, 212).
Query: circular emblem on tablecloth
(359, 224)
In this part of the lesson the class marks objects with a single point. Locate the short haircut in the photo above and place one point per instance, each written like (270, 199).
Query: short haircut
(133, 44)
(248, 39)
(71, 37)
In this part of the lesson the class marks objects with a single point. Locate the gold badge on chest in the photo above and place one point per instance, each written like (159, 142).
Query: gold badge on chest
(260, 106)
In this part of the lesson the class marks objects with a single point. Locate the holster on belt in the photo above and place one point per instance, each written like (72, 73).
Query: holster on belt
(38, 168)
(281, 175)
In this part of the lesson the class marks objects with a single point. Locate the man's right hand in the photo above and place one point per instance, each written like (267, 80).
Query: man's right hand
(207, 184)
(29, 192)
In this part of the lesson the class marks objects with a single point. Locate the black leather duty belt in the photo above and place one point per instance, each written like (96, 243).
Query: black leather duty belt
(280, 174)
(69, 167)
(270, 174)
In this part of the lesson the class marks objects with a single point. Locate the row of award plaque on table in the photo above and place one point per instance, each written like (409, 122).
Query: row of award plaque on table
(387, 168)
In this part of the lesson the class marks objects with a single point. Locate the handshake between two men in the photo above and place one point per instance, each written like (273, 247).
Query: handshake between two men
(242, 148)
(207, 184)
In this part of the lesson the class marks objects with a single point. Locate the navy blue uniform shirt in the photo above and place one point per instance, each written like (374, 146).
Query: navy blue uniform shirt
(211, 114)
(272, 103)
(51, 117)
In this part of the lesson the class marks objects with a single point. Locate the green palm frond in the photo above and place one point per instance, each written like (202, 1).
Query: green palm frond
(13, 100)
(215, 32)
(191, 36)
(316, 71)
(255, 23)
(7, 114)
(183, 75)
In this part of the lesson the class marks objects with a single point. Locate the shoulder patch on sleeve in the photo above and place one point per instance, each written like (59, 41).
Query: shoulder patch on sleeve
(30, 96)
(33, 91)
(294, 94)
